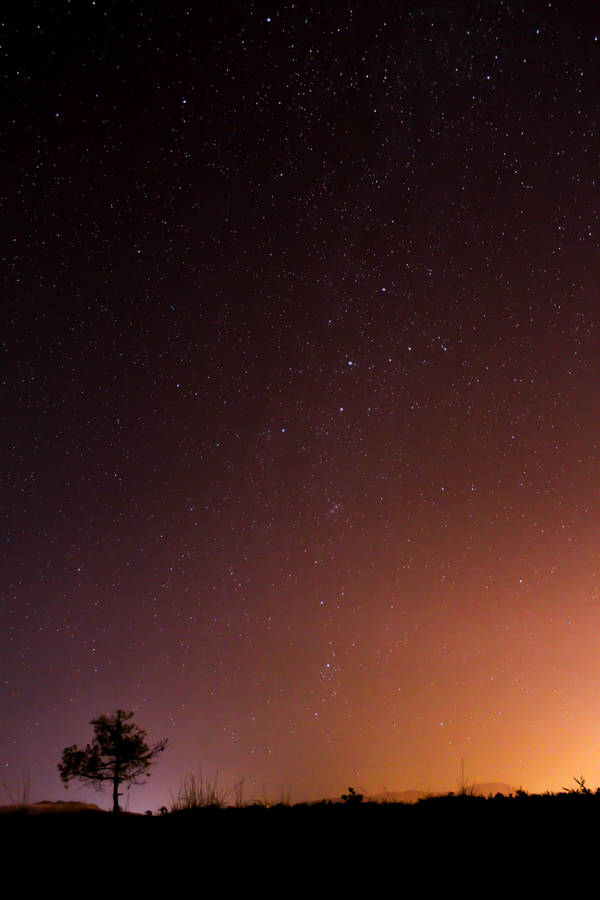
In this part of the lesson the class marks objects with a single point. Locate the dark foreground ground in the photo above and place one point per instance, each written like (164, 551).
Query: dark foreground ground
(500, 845)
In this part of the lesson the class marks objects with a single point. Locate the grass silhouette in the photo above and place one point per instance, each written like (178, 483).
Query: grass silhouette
(19, 794)
(199, 792)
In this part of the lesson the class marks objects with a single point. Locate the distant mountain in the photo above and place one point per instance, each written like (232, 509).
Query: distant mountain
(493, 787)
(52, 806)
(485, 789)
(398, 797)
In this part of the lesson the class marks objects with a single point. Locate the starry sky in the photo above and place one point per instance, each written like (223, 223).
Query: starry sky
(301, 405)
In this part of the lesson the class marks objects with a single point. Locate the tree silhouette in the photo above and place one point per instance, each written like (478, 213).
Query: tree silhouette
(119, 753)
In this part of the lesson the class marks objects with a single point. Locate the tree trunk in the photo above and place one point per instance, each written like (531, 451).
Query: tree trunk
(116, 793)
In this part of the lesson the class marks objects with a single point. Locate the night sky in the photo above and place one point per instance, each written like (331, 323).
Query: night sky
(301, 391)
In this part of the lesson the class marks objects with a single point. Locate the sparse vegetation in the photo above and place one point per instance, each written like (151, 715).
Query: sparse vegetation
(199, 792)
(352, 797)
(19, 793)
(581, 788)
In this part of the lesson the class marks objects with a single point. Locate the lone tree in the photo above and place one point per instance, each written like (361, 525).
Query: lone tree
(119, 753)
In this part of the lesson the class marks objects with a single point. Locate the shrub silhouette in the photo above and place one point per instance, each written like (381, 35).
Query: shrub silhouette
(352, 797)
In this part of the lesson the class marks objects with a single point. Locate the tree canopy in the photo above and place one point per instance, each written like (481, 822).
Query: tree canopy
(118, 754)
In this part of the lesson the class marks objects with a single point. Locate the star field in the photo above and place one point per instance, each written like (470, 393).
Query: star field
(301, 366)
